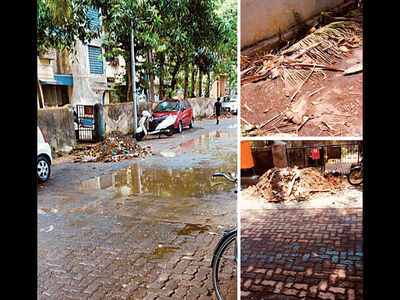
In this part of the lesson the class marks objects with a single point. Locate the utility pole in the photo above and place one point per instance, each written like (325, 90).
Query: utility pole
(133, 81)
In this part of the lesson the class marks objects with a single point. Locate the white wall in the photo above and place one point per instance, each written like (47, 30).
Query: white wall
(263, 19)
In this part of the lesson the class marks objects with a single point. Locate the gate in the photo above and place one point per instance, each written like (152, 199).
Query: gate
(335, 158)
(87, 122)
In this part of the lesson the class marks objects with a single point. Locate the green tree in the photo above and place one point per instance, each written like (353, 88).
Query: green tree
(60, 23)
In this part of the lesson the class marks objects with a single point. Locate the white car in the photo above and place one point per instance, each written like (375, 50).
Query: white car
(44, 158)
(230, 104)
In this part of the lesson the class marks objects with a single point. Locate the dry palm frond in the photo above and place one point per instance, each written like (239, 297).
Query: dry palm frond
(319, 47)
(328, 38)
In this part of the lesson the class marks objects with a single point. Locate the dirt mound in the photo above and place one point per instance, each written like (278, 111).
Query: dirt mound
(115, 147)
(285, 184)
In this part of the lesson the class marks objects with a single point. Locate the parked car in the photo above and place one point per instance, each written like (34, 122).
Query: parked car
(44, 158)
(181, 110)
(230, 104)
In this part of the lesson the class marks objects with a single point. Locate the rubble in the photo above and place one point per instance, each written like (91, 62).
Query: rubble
(116, 147)
(294, 184)
(320, 49)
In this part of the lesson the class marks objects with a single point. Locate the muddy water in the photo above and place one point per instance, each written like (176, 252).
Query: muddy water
(176, 187)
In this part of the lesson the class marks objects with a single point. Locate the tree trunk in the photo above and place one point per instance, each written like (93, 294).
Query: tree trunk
(208, 84)
(129, 96)
(185, 93)
(200, 83)
(174, 79)
(193, 82)
(151, 76)
(161, 90)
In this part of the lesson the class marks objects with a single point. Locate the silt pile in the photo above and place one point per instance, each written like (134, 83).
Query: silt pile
(289, 184)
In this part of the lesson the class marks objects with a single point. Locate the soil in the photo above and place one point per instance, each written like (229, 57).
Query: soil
(288, 184)
(310, 190)
(336, 109)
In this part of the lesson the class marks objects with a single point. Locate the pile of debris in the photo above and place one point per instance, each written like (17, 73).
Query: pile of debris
(289, 184)
(317, 51)
(307, 60)
(115, 147)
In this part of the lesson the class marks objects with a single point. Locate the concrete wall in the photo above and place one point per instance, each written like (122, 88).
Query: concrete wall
(261, 19)
(88, 88)
(119, 117)
(58, 127)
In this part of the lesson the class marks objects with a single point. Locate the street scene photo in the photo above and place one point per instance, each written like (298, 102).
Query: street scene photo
(301, 219)
(137, 147)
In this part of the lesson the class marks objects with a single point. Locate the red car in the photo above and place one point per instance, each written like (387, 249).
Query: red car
(173, 107)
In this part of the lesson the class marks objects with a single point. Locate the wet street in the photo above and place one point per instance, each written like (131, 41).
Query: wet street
(138, 229)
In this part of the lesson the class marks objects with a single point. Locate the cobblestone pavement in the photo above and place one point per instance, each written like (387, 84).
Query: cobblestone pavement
(313, 253)
(146, 231)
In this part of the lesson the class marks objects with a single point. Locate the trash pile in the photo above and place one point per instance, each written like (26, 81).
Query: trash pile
(307, 60)
(317, 51)
(293, 184)
(116, 147)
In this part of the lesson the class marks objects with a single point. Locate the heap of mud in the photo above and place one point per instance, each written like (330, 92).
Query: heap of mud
(293, 184)
(115, 147)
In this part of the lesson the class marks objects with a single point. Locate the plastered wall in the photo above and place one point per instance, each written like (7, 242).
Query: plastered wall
(264, 19)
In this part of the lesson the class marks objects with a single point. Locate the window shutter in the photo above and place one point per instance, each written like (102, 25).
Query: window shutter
(95, 63)
(93, 15)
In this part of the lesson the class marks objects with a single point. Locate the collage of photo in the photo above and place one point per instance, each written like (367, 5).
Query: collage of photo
(199, 149)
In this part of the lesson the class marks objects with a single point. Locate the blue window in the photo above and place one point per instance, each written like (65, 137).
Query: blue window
(93, 15)
(95, 63)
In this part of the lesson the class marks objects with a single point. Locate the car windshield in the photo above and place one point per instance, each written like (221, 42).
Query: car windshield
(225, 99)
(167, 106)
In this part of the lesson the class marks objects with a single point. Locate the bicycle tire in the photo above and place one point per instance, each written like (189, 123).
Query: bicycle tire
(227, 244)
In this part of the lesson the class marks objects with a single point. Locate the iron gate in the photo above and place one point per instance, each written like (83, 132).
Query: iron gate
(332, 158)
(85, 122)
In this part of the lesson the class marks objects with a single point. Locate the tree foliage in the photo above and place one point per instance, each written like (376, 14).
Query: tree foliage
(191, 35)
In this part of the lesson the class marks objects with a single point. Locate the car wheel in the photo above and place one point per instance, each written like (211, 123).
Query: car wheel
(171, 131)
(43, 169)
(191, 123)
(180, 127)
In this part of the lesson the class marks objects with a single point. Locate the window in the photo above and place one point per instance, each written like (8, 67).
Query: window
(95, 63)
(167, 106)
(93, 15)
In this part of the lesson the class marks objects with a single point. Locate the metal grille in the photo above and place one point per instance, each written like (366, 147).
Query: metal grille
(84, 119)
(332, 158)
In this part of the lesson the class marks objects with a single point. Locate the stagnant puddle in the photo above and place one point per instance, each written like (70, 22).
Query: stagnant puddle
(186, 172)
(166, 189)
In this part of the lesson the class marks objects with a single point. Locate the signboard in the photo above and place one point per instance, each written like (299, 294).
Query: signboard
(315, 153)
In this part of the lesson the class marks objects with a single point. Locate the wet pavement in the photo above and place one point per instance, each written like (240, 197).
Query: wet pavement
(146, 230)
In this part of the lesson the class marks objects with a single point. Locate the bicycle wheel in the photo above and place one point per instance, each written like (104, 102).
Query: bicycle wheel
(224, 270)
(356, 177)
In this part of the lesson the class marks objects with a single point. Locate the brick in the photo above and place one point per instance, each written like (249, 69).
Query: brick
(268, 282)
(351, 295)
(323, 285)
(300, 286)
(326, 296)
(278, 287)
(247, 283)
(290, 292)
(337, 290)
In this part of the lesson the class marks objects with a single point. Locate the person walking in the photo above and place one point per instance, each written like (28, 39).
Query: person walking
(217, 106)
